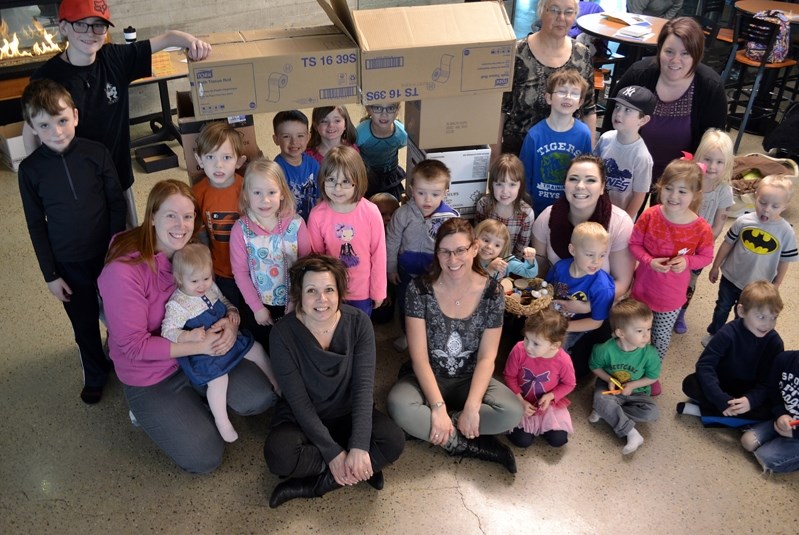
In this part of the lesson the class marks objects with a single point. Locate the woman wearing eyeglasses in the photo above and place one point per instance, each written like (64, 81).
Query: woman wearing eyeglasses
(538, 56)
(380, 137)
(97, 75)
(454, 321)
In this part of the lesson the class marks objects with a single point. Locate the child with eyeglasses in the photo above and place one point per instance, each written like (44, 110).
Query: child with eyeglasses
(551, 144)
(97, 75)
(345, 225)
(380, 137)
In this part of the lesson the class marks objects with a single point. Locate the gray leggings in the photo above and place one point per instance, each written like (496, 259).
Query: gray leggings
(174, 416)
(499, 412)
(662, 327)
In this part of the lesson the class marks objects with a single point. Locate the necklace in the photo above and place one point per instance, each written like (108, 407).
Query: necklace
(455, 300)
(304, 318)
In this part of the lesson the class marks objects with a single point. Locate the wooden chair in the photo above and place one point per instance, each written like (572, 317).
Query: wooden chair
(763, 32)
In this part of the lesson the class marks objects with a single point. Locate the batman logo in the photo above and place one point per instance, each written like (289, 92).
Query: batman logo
(759, 241)
(579, 296)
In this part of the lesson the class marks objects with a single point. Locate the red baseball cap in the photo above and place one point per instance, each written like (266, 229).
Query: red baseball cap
(74, 10)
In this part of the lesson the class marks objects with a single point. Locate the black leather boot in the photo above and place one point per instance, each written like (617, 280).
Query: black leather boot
(489, 448)
(305, 487)
(376, 481)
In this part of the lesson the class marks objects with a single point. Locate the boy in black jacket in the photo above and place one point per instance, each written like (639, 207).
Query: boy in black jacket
(73, 204)
(730, 385)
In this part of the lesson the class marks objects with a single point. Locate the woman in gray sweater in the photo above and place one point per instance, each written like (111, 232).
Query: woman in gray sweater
(326, 432)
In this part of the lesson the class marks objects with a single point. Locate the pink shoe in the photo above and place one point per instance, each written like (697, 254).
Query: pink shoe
(655, 389)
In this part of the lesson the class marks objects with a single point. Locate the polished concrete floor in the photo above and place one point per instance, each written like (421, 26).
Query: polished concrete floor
(71, 468)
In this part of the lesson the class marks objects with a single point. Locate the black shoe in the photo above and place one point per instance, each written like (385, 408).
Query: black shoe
(680, 407)
(90, 396)
(489, 448)
(376, 481)
(305, 487)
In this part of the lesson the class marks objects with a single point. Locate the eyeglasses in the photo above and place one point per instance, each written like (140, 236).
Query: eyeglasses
(557, 12)
(98, 28)
(562, 93)
(391, 108)
(457, 253)
(331, 183)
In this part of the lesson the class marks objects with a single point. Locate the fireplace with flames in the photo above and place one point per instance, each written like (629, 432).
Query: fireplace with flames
(29, 36)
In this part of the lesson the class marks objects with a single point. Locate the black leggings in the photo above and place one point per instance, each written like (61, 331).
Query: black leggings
(289, 453)
(521, 438)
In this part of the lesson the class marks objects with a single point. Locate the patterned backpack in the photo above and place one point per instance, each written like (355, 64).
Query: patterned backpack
(754, 51)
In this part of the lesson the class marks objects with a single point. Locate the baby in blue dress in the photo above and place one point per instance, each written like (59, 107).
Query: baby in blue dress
(196, 306)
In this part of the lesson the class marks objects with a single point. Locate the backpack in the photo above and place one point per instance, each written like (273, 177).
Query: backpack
(754, 51)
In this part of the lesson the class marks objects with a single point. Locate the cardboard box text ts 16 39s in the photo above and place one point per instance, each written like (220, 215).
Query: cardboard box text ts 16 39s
(421, 52)
(274, 70)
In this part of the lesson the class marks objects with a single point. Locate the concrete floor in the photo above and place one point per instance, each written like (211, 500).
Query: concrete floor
(72, 468)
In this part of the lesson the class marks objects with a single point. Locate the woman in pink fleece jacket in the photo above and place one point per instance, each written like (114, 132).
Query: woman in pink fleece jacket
(135, 285)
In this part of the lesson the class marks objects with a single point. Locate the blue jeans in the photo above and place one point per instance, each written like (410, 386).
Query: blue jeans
(175, 416)
(361, 304)
(776, 453)
(728, 297)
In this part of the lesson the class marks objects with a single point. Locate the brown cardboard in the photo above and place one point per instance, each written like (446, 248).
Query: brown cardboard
(454, 122)
(219, 38)
(154, 158)
(12, 149)
(469, 169)
(276, 70)
(190, 128)
(420, 52)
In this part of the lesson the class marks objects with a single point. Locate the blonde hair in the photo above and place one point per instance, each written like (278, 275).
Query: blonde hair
(719, 140)
(192, 258)
(783, 182)
(761, 294)
(588, 231)
(688, 171)
(268, 170)
(346, 160)
(495, 228)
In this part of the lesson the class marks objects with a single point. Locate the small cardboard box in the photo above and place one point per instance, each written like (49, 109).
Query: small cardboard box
(420, 52)
(190, 128)
(154, 158)
(12, 149)
(468, 167)
(454, 122)
(274, 70)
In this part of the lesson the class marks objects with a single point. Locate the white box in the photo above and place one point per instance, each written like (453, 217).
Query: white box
(469, 169)
(12, 149)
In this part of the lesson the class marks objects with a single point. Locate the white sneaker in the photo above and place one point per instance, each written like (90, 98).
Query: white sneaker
(706, 339)
(593, 417)
(401, 344)
(133, 419)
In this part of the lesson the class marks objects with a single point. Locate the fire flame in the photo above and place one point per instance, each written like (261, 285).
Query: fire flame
(10, 49)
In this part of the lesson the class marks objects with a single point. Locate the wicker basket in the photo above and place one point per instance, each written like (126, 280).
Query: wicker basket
(514, 306)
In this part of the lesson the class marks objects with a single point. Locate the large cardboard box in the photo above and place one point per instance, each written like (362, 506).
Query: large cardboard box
(468, 167)
(420, 52)
(190, 127)
(274, 70)
(454, 122)
(12, 149)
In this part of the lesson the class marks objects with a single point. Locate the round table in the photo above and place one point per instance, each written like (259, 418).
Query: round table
(597, 25)
(753, 6)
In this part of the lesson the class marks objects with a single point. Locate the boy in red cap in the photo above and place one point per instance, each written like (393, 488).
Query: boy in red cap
(97, 75)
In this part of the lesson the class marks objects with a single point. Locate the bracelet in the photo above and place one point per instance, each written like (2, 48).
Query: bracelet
(437, 405)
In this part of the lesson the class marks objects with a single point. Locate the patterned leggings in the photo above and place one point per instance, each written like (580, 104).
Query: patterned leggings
(662, 325)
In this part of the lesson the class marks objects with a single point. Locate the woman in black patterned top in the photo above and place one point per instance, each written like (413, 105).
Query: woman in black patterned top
(454, 321)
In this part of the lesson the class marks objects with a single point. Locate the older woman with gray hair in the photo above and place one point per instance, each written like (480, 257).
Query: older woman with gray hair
(537, 56)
